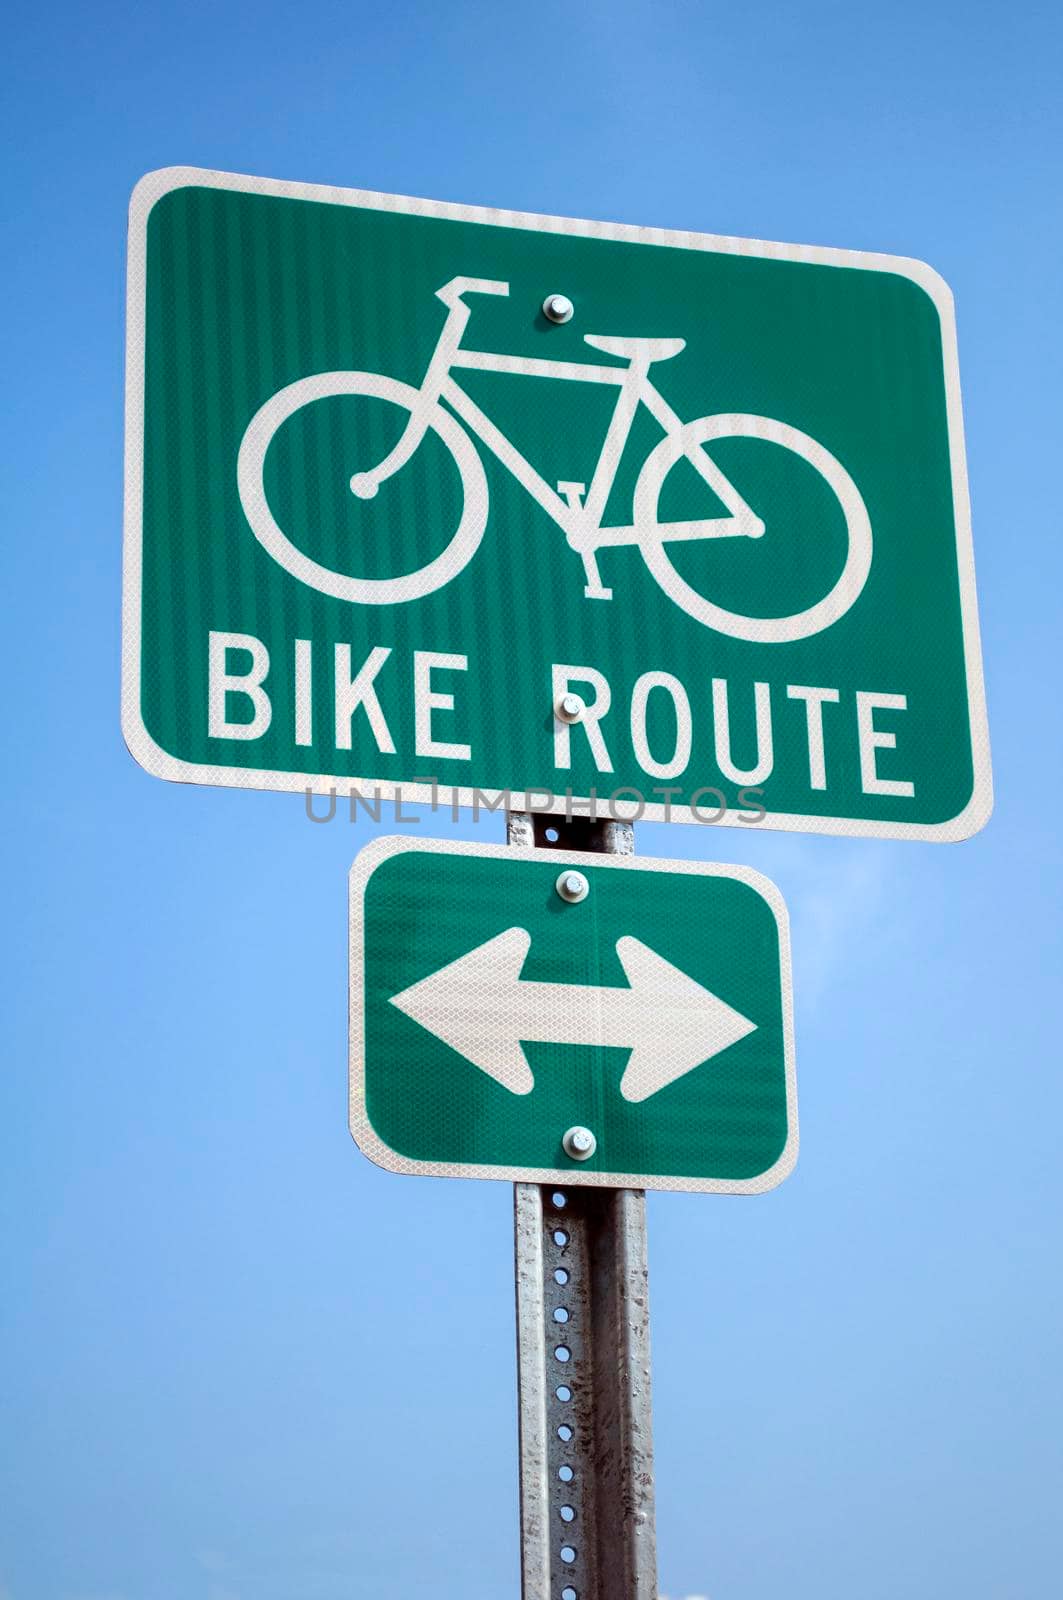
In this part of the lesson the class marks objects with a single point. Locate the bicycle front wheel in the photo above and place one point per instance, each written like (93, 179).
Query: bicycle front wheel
(369, 591)
(653, 539)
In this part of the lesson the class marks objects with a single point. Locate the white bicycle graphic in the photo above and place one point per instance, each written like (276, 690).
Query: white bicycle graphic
(575, 510)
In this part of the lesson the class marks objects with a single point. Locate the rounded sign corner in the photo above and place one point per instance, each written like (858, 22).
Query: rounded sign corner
(372, 1146)
(377, 850)
(928, 279)
(147, 753)
(784, 1167)
(154, 185)
(974, 816)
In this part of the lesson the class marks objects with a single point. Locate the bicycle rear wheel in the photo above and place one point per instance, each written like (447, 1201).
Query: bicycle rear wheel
(653, 538)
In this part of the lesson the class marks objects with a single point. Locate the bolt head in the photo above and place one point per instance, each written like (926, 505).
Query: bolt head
(572, 886)
(569, 708)
(558, 308)
(579, 1143)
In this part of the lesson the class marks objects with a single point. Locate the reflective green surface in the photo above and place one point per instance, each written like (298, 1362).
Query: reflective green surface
(247, 293)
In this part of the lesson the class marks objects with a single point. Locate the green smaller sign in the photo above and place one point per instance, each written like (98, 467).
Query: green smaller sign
(549, 1015)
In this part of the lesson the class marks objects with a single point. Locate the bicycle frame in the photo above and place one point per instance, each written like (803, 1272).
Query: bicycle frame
(580, 519)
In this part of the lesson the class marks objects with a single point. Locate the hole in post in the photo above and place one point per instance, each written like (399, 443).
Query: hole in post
(560, 1238)
(564, 1393)
(558, 1199)
(565, 1473)
(560, 1313)
(564, 1433)
(567, 1513)
(560, 1275)
(553, 835)
(562, 1352)
(568, 1554)
(568, 1593)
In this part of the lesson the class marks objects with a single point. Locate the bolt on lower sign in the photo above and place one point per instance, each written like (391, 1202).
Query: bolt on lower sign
(554, 1015)
(404, 477)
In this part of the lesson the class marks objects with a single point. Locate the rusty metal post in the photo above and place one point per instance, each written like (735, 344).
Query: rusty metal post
(583, 1358)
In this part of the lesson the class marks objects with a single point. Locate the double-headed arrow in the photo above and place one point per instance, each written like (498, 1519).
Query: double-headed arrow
(481, 1007)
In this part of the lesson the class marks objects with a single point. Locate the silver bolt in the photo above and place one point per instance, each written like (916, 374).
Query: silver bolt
(569, 708)
(579, 1143)
(558, 308)
(572, 886)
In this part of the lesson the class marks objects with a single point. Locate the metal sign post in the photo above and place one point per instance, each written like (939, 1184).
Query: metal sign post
(583, 1363)
(587, 1025)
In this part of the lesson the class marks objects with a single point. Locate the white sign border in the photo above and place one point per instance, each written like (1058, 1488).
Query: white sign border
(157, 761)
(369, 1142)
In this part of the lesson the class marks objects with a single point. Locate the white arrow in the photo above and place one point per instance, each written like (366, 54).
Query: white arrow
(481, 1007)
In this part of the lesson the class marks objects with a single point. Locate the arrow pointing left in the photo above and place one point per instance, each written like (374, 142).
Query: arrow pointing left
(481, 1007)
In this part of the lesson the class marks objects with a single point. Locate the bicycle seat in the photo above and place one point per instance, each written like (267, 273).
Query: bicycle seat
(647, 349)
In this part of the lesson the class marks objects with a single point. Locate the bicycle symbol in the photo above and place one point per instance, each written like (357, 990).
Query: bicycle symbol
(577, 512)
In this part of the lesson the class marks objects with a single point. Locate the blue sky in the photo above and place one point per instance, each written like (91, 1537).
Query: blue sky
(236, 1361)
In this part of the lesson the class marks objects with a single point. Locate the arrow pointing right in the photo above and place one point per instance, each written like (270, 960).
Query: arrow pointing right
(683, 1024)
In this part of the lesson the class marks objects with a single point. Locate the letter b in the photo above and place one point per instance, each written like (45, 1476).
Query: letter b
(221, 683)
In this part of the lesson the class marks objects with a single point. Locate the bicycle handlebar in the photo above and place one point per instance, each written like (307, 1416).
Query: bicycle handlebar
(452, 292)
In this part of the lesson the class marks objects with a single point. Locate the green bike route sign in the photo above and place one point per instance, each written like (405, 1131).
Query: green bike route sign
(491, 1015)
(429, 501)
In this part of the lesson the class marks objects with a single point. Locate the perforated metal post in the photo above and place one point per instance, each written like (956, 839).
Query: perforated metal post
(583, 1358)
